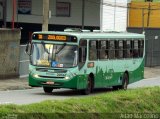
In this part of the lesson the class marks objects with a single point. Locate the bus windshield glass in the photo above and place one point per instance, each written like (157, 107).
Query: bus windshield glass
(54, 55)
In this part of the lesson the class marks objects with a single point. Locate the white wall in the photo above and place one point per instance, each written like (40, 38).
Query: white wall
(91, 18)
(114, 18)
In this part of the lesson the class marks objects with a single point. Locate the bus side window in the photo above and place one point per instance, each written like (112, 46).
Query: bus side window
(127, 49)
(124, 49)
(120, 49)
(116, 49)
(141, 47)
(93, 50)
(82, 52)
(111, 49)
(103, 52)
(129, 54)
(135, 49)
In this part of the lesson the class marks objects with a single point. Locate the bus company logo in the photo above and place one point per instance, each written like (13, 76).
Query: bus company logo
(51, 71)
(110, 74)
(61, 74)
(109, 77)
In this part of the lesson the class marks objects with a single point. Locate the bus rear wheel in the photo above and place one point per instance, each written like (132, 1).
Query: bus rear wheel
(125, 81)
(116, 87)
(88, 87)
(48, 89)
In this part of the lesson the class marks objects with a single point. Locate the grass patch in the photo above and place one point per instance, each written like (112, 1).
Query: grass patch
(142, 100)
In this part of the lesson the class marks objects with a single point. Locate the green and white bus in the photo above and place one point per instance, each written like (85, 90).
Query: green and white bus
(85, 60)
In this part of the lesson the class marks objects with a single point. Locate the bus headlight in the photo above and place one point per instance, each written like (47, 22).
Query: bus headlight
(35, 75)
(66, 77)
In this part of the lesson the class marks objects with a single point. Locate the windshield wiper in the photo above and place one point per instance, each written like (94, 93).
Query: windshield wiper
(45, 49)
(60, 48)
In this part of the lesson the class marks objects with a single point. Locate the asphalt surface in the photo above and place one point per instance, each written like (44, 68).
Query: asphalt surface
(29, 96)
(146, 83)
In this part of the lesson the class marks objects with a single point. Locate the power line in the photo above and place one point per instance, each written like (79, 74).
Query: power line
(124, 6)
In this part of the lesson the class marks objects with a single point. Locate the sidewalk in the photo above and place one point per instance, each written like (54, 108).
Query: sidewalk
(14, 84)
(22, 83)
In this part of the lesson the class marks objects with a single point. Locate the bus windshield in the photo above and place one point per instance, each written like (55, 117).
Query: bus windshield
(54, 55)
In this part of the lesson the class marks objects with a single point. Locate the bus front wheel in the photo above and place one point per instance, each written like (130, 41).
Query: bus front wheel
(88, 87)
(48, 89)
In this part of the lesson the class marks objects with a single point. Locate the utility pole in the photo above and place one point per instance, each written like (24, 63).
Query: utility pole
(143, 19)
(83, 11)
(14, 12)
(128, 13)
(149, 11)
(45, 15)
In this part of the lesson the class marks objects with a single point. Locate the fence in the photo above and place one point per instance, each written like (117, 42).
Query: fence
(152, 51)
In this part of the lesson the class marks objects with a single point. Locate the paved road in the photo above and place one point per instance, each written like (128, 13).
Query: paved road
(34, 95)
(146, 83)
(37, 95)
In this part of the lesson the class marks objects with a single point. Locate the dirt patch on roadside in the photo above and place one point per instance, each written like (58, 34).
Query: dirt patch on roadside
(150, 72)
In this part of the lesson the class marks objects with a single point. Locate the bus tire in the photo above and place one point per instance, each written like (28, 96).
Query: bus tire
(48, 89)
(116, 87)
(88, 88)
(125, 81)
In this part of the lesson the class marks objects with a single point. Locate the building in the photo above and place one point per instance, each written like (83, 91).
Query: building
(147, 20)
(64, 13)
(70, 13)
(147, 14)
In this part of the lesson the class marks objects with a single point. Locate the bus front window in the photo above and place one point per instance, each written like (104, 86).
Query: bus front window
(54, 55)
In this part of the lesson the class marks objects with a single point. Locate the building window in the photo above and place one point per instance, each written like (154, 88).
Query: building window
(24, 6)
(63, 9)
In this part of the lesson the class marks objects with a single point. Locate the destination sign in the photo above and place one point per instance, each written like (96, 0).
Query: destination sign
(54, 37)
(57, 37)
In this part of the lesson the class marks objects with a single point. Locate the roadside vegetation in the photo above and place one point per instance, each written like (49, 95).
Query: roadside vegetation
(107, 105)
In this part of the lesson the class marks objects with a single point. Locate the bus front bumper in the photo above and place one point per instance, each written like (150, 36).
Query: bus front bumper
(53, 82)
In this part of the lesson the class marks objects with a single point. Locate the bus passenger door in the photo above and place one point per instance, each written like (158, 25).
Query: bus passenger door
(82, 77)
(93, 63)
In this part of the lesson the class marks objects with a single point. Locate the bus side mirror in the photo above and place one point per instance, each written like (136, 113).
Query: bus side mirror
(28, 49)
(75, 58)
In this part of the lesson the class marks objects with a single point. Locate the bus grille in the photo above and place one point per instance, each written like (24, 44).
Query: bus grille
(51, 70)
(50, 77)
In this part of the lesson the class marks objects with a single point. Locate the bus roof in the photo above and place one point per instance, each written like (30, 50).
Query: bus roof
(95, 34)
